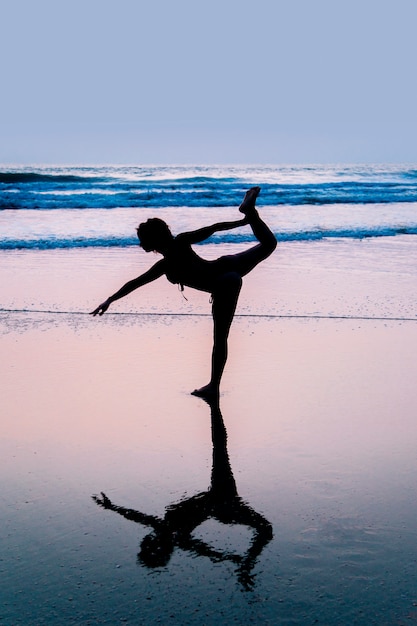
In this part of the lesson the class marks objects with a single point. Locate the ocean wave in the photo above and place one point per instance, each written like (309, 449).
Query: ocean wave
(30, 178)
(207, 196)
(55, 243)
(165, 187)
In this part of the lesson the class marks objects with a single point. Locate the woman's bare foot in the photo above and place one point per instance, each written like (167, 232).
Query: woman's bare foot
(208, 392)
(248, 204)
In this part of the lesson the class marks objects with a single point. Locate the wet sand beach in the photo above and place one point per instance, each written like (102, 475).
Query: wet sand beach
(319, 406)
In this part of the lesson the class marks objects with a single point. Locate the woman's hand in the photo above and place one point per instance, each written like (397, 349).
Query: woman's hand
(101, 309)
(103, 501)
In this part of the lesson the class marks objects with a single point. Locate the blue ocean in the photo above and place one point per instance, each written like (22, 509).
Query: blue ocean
(51, 207)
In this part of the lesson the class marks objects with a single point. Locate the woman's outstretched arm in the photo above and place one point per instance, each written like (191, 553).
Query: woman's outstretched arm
(131, 514)
(195, 236)
(153, 273)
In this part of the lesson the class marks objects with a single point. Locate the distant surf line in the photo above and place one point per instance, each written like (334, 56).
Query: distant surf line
(241, 315)
(358, 233)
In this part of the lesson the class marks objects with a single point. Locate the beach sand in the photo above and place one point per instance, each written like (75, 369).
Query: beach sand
(322, 435)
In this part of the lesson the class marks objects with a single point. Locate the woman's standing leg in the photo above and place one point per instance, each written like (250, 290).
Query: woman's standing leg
(225, 299)
(228, 286)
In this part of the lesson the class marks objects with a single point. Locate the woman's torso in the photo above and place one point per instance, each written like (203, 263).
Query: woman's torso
(185, 267)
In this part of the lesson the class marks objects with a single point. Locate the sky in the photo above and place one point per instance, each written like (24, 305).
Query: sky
(219, 81)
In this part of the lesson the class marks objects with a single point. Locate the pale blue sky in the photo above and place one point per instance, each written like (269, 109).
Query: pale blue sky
(220, 81)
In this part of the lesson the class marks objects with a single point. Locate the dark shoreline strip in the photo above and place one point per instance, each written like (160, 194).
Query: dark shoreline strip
(238, 315)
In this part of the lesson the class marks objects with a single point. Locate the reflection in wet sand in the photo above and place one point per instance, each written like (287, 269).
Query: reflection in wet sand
(220, 502)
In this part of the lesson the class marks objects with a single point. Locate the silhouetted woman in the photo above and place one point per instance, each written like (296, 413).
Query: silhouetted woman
(221, 277)
(220, 502)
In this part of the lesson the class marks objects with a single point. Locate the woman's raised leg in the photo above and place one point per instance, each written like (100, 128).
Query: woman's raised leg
(246, 261)
(228, 286)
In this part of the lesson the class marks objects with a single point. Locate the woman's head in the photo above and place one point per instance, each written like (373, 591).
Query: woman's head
(154, 234)
(156, 549)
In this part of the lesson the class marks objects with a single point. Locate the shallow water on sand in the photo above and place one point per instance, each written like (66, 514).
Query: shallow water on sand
(368, 278)
(321, 439)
